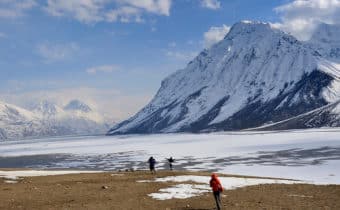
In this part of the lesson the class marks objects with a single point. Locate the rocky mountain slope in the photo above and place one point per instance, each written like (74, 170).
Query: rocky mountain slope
(256, 75)
(326, 116)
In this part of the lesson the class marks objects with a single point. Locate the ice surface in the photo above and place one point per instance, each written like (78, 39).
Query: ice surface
(311, 155)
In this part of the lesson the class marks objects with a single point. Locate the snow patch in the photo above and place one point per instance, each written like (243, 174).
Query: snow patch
(14, 175)
(183, 191)
(11, 181)
(180, 191)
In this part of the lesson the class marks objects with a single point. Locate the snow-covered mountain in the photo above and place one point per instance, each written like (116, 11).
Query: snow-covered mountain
(48, 119)
(15, 122)
(326, 41)
(76, 105)
(256, 75)
(46, 109)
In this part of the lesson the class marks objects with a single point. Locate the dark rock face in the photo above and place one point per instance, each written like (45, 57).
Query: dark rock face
(321, 117)
(306, 91)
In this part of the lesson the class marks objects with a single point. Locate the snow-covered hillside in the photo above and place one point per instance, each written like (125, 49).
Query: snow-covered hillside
(256, 75)
(47, 119)
(16, 122)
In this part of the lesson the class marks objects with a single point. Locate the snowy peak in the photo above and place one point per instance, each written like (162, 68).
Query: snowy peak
(77, 105)
(251, 28)
(46, 108)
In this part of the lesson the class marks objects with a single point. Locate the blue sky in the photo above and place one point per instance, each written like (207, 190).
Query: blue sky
(114, 53)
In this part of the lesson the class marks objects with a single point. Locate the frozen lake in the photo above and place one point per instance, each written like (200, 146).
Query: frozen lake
(309, 155)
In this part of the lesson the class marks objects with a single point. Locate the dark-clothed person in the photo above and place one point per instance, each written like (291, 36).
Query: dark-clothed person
(171, 160)
(152, 163)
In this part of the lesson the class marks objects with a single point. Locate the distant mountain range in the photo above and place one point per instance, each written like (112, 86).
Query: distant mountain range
(257, 76)
(46, 119)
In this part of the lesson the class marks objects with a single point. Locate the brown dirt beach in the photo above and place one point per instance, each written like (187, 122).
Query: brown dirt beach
(122, 191)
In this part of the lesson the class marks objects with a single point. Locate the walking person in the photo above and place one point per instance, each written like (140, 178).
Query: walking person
(152, 163)
(171, 160)
(217, 188)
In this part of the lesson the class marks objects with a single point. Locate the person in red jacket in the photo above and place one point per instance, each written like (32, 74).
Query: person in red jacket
(217, 188)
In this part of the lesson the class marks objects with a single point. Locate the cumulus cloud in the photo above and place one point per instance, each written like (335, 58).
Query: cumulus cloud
(301, 17)
(15, 8)
(214, 35)
(211, 4)
(161, 7)
(125, 15)
(84, 11)
(91, 11)
(103, 69)
(53, 52)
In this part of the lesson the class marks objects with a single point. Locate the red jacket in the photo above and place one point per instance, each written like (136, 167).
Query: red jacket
(215, 183)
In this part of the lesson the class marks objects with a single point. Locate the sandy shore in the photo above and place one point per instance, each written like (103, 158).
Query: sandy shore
(121, 190)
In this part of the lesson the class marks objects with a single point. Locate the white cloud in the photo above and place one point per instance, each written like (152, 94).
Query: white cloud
(211, 4)
(301, 17)
(15, 8)
(84, 11)
(103, 69)
(214, 35)
(161, 7)
(91, 11)
(52, 52)
(181, 55)
(124, 14)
